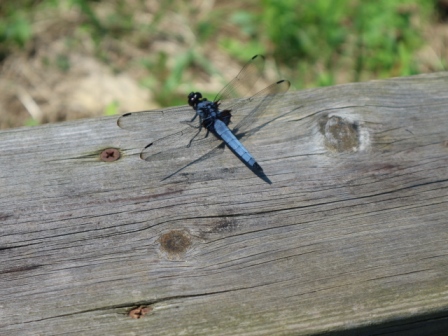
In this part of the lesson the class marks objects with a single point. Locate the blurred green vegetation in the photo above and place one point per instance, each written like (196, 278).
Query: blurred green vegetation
(15, 27)
(314, 42)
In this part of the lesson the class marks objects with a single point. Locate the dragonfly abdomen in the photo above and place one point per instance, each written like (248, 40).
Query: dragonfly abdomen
(234, 144)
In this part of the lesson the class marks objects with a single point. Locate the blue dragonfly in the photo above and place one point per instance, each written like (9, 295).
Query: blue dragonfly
(214, 117)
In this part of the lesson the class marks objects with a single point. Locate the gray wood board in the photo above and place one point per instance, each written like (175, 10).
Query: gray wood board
(351, 234)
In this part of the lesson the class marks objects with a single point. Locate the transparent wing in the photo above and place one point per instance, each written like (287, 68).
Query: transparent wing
(241, 85)
(179, 145)
(144, 121)
(177, 122)
(247, 111)
(173, 151)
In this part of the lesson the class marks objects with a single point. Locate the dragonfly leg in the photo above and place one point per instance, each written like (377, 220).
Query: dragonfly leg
(186, 122)
(195, 116)
(192, 139)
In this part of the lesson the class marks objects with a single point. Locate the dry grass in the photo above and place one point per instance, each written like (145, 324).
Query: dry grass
(65, 74)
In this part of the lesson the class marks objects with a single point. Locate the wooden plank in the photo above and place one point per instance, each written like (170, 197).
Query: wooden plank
(350, 237)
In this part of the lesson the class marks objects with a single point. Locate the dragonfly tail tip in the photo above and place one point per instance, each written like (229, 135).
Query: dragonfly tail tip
(257, 167)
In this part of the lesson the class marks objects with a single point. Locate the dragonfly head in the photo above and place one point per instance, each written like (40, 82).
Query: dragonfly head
(194, 98)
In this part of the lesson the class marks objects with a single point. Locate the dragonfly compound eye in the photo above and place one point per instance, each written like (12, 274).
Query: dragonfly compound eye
(194, 98)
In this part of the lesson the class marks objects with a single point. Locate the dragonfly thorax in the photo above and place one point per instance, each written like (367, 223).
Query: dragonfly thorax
(207, 110)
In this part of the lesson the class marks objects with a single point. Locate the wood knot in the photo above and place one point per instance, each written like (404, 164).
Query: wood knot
(175, 243)
(341, 135)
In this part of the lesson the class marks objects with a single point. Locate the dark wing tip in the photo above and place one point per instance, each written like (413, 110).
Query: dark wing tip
(121, 117)
(261, 56)
(287, 83)
(145, 155)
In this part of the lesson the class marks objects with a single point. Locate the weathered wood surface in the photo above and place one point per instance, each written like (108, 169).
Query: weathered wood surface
(351, 236)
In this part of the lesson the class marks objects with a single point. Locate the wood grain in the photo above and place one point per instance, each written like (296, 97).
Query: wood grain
(350, 237)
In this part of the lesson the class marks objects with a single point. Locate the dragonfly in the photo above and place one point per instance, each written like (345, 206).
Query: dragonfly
(209, 117)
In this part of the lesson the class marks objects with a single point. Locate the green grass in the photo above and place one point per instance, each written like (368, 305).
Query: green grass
(368, 39)
(314, 42)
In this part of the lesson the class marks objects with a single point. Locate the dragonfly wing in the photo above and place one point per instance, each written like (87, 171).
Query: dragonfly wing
(175, 152)
(247, 111)
(157, 123)
(147, 121)
(178, 150)
(243, 82)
